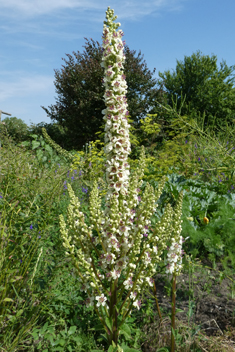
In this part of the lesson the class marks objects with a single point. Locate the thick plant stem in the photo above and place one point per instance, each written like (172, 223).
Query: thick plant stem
(173, 313)
(115, 327)
(156, 300)
(113, 313)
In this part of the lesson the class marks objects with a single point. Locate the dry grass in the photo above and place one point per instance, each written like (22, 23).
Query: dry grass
(188, 338)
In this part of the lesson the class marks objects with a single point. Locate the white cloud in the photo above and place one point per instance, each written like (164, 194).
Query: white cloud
(14, 86)
(126, 9)
(39, 7)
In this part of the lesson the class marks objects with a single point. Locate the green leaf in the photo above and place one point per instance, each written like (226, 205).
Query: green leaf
(35, 144)
(62, 342)
(178, 311)
(35, 136)
(72, 330)
(20, 312)
(78, 339)
(108, 323)
(39, 154)
(25, 143)
(44, 327)
(126, 331)
(35, 335)
(128, 349)
(8, 300)
(48, 149)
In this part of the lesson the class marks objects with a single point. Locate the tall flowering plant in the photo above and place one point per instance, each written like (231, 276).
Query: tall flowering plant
(116, 252)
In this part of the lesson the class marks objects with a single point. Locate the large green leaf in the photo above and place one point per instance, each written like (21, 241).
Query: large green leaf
(35, 144)
(72, 330)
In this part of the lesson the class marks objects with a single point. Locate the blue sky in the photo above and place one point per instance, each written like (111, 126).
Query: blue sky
(36, 34)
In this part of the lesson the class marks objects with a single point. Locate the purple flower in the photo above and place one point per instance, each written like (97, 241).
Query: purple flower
(84, 190)
(199, 159)
(1, 195)
(72, 178)
(186, 142)
(31, 227)
(39, 236)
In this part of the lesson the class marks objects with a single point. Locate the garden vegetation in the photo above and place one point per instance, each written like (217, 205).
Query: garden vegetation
(82, 251)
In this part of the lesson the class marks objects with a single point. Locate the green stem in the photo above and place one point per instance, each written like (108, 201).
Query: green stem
(114, 313)
(102, 320)
(173, 313)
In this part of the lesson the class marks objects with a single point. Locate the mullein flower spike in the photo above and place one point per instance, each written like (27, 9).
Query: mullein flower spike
(116, 254)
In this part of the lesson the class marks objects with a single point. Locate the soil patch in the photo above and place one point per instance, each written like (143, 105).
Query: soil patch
(206, 300)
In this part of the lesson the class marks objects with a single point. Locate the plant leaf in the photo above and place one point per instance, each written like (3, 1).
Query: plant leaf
(72, 330)
(8, 300)
(35, 144)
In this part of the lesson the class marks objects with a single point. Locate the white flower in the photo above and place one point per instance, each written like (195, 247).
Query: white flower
(155, 249)
(170, 268)
(149, 281)
(137, 304)
(128, 283)
(101, 300)
(109, 147)
(109, 258)
(115, 274)
(133, 295)
(133, 266)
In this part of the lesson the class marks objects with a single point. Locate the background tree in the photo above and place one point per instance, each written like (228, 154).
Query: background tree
(16, 128)
(79, 89)
(206, 88)
(54, 130)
